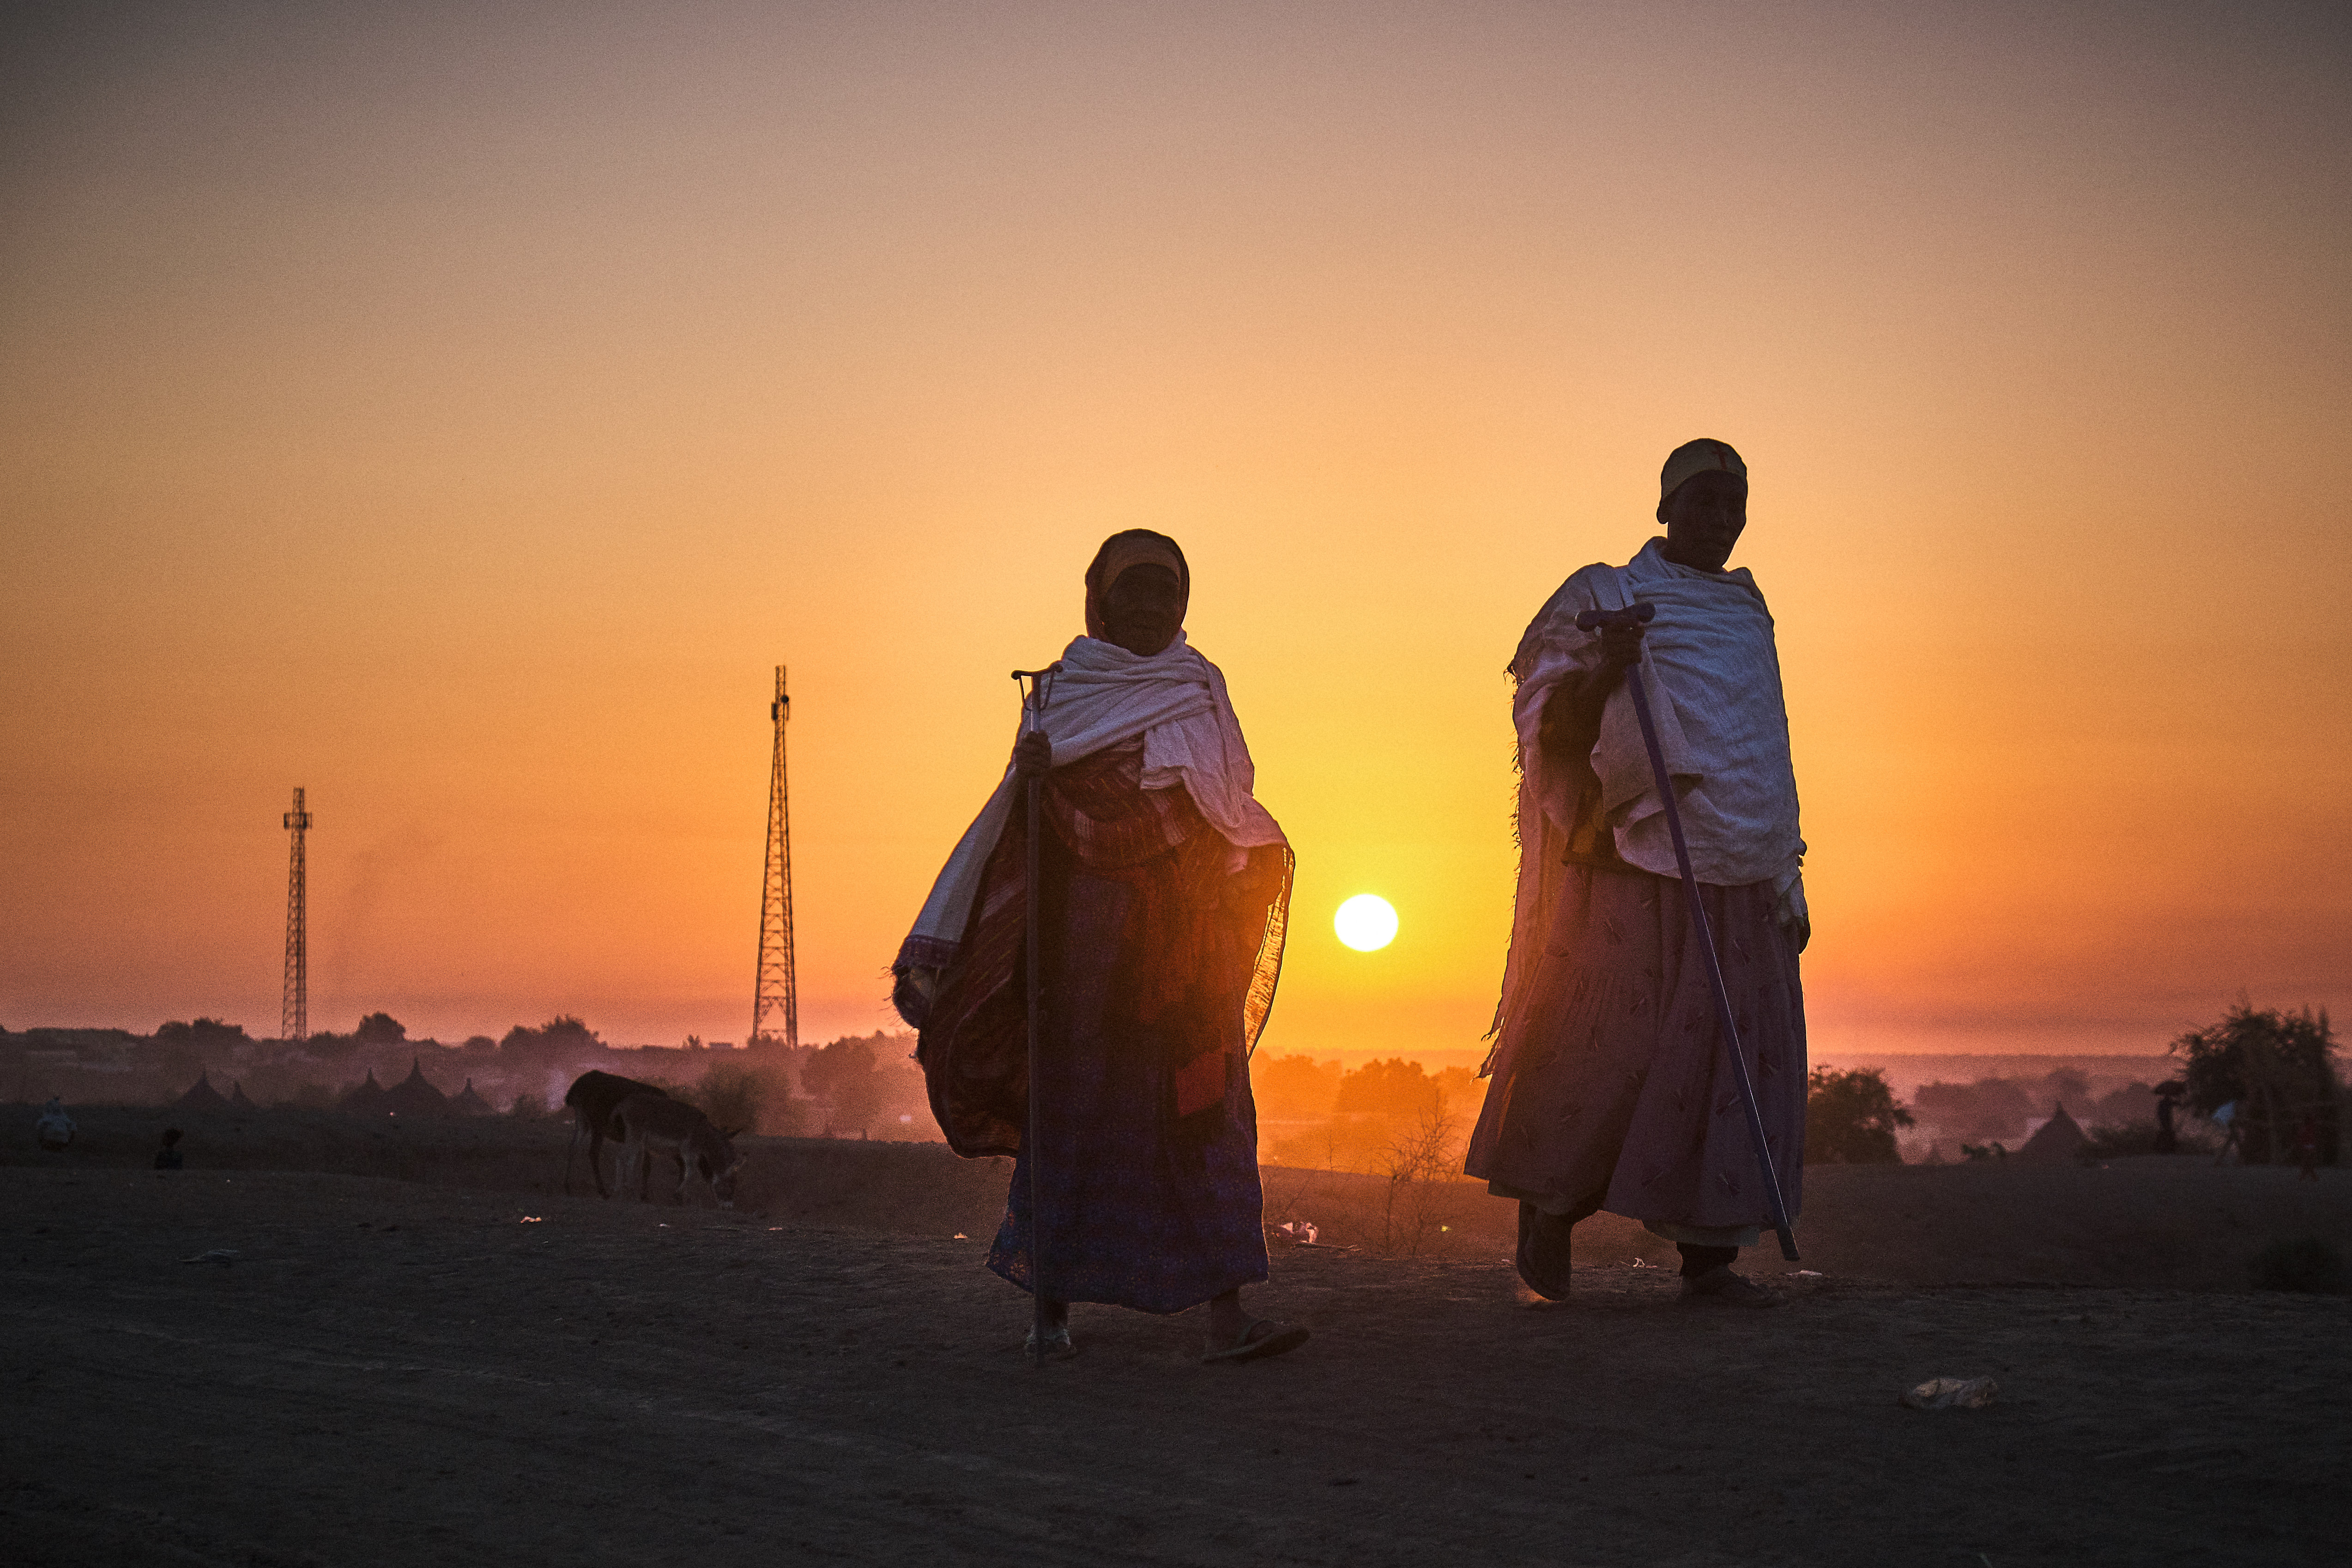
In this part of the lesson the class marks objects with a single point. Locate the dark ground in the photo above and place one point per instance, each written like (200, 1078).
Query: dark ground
(2163, 1222)
(390, 1371)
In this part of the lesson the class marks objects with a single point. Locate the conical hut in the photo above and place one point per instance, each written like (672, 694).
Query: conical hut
(365, 1099)
(203, 1096)
(415, 1095)
(2055, 1142)
(466, 1103)
(238, 1099)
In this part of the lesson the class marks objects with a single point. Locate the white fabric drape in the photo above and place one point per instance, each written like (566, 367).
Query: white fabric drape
(1103, 694)
(1713, 673)
(1713, 677)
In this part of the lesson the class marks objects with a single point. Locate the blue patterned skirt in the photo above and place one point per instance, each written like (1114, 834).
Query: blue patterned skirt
(1132, 1211)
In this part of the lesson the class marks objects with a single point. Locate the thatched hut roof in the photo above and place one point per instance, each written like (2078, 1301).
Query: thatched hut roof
(466, 1103)
(202, 1096)
(365, 1099)
(415, 1095)
(239, 1099)
(2056, 1142)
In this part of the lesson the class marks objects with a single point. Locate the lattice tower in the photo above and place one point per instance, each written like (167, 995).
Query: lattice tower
(294, 1011)
(775, 991)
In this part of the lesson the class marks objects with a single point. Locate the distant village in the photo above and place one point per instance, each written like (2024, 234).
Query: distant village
(855, 1087)
(1312, 1113)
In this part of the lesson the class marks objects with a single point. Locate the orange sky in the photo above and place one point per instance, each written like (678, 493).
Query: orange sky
(460, 410)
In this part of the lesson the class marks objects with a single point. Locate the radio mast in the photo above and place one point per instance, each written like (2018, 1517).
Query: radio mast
(773, 991)
(294, 1011)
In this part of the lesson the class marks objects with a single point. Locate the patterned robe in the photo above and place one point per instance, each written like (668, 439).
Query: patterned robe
(1162, 947)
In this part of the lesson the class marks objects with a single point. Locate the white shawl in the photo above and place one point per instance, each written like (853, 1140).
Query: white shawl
(1714, 679)
(1103, 694)
(1713, 674)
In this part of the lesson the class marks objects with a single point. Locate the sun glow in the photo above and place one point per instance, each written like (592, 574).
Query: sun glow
(1366, 922)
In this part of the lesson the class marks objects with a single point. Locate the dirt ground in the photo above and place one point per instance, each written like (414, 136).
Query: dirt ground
(2178, 1223)
(392, 1372)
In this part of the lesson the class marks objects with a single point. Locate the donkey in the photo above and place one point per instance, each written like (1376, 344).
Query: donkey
(593, 1097)
(651, 1123)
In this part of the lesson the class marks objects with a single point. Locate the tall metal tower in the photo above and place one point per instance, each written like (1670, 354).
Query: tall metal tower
(294, 1012)
(775, 991)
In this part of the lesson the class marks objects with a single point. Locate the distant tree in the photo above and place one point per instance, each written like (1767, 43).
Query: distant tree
(1295, 1088)
(1367, 1114)
(203, 1032)
(840, 1077)
(380, 1028)
(2278, 1067)
(858, 1086)
(561, 1037)
(1851, 1117)
(2065, 1084)
(1393, 1087)
(1989, 1108)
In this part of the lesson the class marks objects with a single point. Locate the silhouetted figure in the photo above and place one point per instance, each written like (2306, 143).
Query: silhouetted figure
(168, 1157)
(1611, 1087)
(2306, 1147)
(2168, 1101)
(1162, 886)
(2232, 1136)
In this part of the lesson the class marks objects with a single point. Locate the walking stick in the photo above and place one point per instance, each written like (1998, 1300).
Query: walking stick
(1635, 615)
(1037, 690)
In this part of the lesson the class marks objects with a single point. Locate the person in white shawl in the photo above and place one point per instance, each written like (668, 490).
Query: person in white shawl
(1611, 1086)
(1163, 889)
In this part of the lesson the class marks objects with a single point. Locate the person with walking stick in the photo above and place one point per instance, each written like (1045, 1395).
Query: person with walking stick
(1649, 1052)
(1157, 900)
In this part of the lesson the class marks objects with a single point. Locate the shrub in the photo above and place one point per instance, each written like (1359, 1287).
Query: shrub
(2108, 1143)
(2306, 1264)
(746, 1099)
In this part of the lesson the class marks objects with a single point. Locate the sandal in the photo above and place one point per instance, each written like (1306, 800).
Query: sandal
(1544, 1251)
(1059, 1346)
(1720, 1287)
(1261, 1337)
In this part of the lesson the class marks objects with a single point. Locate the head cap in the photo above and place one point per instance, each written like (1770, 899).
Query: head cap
(1698, 457)
(1135, 547)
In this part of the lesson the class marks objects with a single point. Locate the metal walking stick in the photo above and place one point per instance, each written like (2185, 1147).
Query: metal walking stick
(1636, 615)
(1037, 690)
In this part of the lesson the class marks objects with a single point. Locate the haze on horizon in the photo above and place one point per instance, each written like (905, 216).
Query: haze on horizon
(460, 410)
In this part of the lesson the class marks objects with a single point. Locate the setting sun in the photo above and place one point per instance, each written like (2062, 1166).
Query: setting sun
(1367, 923)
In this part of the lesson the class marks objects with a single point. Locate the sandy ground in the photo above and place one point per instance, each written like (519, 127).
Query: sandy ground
(389, 1371)
(2178, 1223)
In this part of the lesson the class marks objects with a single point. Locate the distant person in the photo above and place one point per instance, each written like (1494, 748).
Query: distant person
(1612, 1088)
(168, 1157)
(2306, 1147)
(2168, 1101)
(55, 1129)
(2232, 1136)
(1164, 886)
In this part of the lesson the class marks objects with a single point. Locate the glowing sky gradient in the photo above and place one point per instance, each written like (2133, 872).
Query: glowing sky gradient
(459, 410)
